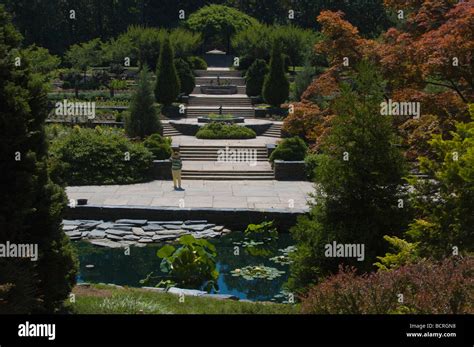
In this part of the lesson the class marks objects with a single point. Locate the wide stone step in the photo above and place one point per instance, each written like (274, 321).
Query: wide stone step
(212, 81)
(208, 101)
(225, 73)
(217, 102)
(215, 159)
(229, 178)
(240, 89)
(216, 147)
(214, 153)
(210, 149)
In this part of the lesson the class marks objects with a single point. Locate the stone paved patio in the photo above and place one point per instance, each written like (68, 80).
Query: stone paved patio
(200, 193)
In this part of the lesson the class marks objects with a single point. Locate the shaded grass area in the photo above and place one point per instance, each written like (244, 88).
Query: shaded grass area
(103, 299)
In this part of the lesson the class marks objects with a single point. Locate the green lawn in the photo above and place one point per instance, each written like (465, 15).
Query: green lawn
(101, 299)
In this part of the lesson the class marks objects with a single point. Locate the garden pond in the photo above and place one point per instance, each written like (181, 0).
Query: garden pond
(245, 270)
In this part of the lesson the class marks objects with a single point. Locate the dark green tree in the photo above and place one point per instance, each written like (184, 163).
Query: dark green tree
(186, 76)
(255, 77)
(167, 81)
(218, 23)
(142, 119)
(359, 175)
(31, 212)
(276, 86)
(84, 55)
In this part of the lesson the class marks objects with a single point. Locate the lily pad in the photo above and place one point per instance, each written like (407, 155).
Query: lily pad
(284, 258)
(261, 271)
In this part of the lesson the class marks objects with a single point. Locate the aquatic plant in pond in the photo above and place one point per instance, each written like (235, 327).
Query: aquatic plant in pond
(257, 271)
(284, 258)
(191, 265)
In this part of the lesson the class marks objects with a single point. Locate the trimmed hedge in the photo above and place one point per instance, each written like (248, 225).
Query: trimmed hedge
(217, 130)
(98, 156)
(291, 149)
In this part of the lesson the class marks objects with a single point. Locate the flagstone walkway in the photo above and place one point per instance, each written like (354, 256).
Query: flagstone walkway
(291, 196)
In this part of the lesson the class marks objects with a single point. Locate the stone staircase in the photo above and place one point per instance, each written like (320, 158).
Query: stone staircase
(205, 163)
(225, 175)
(169, 130)
(199, 111)
(273, 131)
(233, 100)
(239, 104)
(211, 153)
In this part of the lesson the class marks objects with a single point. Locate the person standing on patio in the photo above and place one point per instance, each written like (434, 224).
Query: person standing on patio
(176, 166)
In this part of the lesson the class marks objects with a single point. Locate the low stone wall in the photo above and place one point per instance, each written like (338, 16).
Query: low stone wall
(232, 218)
(186, 128)
(162, 169)
(289, 170)
(226, 120)
(259, 128)
(270, 148)
(270, 111)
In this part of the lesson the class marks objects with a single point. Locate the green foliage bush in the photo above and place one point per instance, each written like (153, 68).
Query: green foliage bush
(143, 44)
(445, 219)
(185, 43)
(255, 76)
(311, 162)
(290, 149)
(158, 145)
(186, 76)
(196, 63)
(41, 61)
(217, 130)
(255, 42)
(98, 156)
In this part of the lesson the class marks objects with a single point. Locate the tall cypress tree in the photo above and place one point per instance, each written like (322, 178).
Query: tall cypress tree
(276, 86)
(167, 81)
(255, 77)
(32, 206)
(143, 120)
